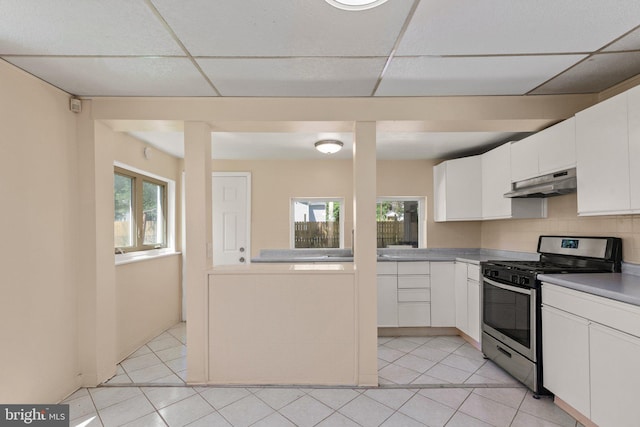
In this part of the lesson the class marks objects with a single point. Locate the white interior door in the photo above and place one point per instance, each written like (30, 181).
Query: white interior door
(231, 218)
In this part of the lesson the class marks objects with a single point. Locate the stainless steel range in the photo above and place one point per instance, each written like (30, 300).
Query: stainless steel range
(511, 300)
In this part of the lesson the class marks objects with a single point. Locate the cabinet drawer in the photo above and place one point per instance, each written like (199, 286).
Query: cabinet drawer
(618, 315)
(409, 282)
(419, 267)
(384, 267)
(414, 314)
(414, 295)
(473, 272)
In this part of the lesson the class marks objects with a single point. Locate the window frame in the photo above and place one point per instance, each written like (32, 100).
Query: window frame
(138, 181)
(292, 218)
(422, 219)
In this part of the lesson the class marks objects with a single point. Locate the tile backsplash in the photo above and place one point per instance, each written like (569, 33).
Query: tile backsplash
(522, 235)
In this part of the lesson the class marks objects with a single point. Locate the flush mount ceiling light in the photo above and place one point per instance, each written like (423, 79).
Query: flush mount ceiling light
(355, 4)
(328, 146)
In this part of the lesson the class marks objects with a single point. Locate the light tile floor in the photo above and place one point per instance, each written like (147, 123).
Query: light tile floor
(449, 384)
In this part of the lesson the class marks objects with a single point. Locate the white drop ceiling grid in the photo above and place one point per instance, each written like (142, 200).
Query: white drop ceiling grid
(309, 48)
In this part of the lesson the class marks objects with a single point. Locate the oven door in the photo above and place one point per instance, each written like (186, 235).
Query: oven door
(508, 315)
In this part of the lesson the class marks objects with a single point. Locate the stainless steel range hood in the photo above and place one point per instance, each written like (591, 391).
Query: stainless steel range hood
(553, 184)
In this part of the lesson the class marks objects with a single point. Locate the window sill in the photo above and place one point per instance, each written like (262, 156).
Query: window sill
(140, 256)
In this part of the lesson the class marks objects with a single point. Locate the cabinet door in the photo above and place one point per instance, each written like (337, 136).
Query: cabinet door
(414, 314)
(473, 309)
(464, 188)
(524, 158)
(565, 355)
(614, 377)
(440, 192)
(557, 147)
(387, 301)
(634, 145)
(461, 297)
(602, 152)
(443, 294)
(496, 180)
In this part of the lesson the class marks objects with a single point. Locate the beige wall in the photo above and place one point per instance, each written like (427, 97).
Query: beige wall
(275, 182)
(148, 293)
(522, 235)
(147, 301)
(38, 187)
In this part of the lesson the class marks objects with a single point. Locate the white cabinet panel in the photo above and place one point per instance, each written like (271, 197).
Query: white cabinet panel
(386, 267)
(614, 377)
(414, 281)
(461, 296)
(458, 189)
(602, 149)
(633, 102)
(414, 295)
(496, 180)
(473, 309)
(524, 159)
(557, 147)
(565, 352)
(473, 272)
(414, 314)
(416, 267)
(443, 296)
(387, 301)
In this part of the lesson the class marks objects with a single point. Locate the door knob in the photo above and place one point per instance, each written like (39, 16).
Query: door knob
(241, 259)
(241, 249)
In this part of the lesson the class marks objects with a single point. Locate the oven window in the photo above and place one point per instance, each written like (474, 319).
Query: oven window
(508, 312)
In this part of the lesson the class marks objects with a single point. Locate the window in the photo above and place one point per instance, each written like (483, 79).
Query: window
(400, 222)
(316, 223)
(140, 204)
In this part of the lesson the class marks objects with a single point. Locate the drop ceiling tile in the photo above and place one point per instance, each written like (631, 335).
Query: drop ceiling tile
(87, 27)
(464, 27)
(629, 42)
(118, 76)
(596, 74)
(294, 76)
(283, 27)
(433, 76)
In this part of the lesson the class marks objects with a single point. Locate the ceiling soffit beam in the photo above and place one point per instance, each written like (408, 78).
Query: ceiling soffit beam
(430, 109)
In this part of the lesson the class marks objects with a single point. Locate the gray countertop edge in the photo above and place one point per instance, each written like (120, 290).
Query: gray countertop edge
(621, 287)
(472, 256)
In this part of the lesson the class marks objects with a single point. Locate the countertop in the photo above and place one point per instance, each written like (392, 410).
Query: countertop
(473, 256)
(616, 286)
(284, 268)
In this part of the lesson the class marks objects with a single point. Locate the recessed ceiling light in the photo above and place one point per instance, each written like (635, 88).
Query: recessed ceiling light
(355, 4)
(328, 146)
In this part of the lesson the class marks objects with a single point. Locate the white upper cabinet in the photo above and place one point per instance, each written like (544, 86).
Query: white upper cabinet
(602, 145)
(550, 150)
(633, 116)
(496, 180)
(524, 159)
(557, 147)
(458, 189)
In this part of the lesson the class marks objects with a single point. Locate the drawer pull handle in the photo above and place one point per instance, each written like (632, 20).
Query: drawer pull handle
(503, 351)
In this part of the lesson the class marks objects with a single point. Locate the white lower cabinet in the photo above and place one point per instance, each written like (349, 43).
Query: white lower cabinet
(443, 295)
(467, 299)
(415, 293)
(387, 301)
(614, 377)
(591, 349)
(565, 355)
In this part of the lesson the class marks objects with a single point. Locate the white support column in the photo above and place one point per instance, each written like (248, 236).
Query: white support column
(364, 246)
(198, 247)
(96, 267)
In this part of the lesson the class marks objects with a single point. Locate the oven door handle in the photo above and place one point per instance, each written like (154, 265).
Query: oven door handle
(507, 287)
